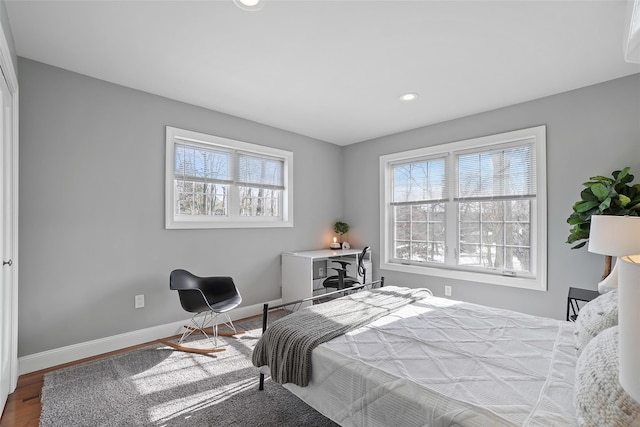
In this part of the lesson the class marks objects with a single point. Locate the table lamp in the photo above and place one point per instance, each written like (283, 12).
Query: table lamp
(620, 236)
(613, 235)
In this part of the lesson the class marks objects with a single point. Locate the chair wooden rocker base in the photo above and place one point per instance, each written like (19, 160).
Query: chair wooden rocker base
(191, 349)
(207, 332)
(208, 298)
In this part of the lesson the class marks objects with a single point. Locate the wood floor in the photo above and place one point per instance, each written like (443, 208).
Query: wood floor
(23, 405)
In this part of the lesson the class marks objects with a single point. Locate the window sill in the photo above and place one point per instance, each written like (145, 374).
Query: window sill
(493, 279)
(204, 224)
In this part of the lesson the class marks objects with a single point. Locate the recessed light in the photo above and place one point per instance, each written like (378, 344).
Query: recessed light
(410, 96)
(250, 5)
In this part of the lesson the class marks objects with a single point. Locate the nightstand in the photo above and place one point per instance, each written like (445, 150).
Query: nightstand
(575, 295)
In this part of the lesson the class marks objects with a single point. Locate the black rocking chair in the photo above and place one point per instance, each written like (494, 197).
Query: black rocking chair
(208, 298)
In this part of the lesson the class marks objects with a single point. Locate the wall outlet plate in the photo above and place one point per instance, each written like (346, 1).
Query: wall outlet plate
(139, 301)
(447, 291)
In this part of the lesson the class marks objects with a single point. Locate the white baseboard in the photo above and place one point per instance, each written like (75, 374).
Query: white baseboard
(70, 353)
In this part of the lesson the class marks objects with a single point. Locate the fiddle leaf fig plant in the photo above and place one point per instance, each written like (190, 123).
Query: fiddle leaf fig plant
(603, 196)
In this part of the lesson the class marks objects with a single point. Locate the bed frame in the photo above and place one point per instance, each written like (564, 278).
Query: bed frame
(317, 299)
(493, 366)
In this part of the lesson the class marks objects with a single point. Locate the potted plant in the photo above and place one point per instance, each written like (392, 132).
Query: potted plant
(341, 228)
(603, 196)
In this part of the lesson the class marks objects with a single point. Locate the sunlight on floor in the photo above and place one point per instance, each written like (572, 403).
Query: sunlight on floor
(185, 406)
(181, 369)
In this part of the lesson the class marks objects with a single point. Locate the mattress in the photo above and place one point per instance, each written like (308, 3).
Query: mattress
(439, 362)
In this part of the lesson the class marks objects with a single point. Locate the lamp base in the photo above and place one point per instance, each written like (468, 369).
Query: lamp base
(610, 282)
(629, 319)
(335, 246)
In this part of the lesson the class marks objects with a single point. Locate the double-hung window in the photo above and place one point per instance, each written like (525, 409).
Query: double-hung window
(214, 182)
(472, 210)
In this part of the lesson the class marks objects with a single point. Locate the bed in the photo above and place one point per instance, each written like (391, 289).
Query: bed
(435, 362)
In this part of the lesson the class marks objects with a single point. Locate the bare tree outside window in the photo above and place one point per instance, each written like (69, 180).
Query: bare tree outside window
(217, 182)
(419, 188)
(471, 210)
(492, 202)
(494, 228)
(199, 187)
(261, 193)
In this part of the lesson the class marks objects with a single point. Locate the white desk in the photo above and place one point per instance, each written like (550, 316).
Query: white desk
(304, 272)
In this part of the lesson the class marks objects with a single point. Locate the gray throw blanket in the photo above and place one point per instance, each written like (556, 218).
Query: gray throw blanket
(287, 344)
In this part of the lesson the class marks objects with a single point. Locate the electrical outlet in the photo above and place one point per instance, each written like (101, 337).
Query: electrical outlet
(139, 301)
(321, 272)
(447, 291)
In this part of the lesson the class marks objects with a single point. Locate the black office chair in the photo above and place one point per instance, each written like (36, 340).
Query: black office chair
(333, 281)
(341, 280)
(208, 298)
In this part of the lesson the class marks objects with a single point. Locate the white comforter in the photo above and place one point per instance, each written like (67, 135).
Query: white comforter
(439, 362)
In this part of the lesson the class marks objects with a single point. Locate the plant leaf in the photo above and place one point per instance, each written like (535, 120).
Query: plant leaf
(585, 206)
(577, 234)
(630, 192)
(627, 179)
(600, 191)
(601, 178)
(619, 175)
(576, 220)
(623, 200)
(587, 195)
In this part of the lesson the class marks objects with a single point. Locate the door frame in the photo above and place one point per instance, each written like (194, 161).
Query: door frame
(8, 68)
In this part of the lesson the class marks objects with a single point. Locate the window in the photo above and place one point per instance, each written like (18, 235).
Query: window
(470, 210)
(214, 182)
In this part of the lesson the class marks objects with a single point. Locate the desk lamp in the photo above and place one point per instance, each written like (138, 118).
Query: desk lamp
(620, 236)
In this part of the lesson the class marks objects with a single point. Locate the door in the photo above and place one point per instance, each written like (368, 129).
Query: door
(8, 316)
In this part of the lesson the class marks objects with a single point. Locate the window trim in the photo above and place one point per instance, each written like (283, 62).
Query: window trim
(173, 221)
(538, 280)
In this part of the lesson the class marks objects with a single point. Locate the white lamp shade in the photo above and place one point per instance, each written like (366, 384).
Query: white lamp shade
(614, 235)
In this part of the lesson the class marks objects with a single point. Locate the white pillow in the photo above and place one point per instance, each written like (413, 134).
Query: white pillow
(599, 398)
(596, 316)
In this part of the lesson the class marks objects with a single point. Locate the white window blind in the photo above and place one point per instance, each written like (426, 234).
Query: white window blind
(419, 182)
(260, 172)
(200, 164)
(215, 182)
(471, 210)
(501, 173)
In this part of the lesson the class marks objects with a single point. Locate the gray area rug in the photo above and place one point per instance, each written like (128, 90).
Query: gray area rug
(159, 386)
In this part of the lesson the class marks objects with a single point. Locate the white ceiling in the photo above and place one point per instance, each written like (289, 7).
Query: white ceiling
(332, 70)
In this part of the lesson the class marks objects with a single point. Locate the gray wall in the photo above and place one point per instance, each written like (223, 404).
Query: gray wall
(590, 131)
(92, 209)
(92, 201)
